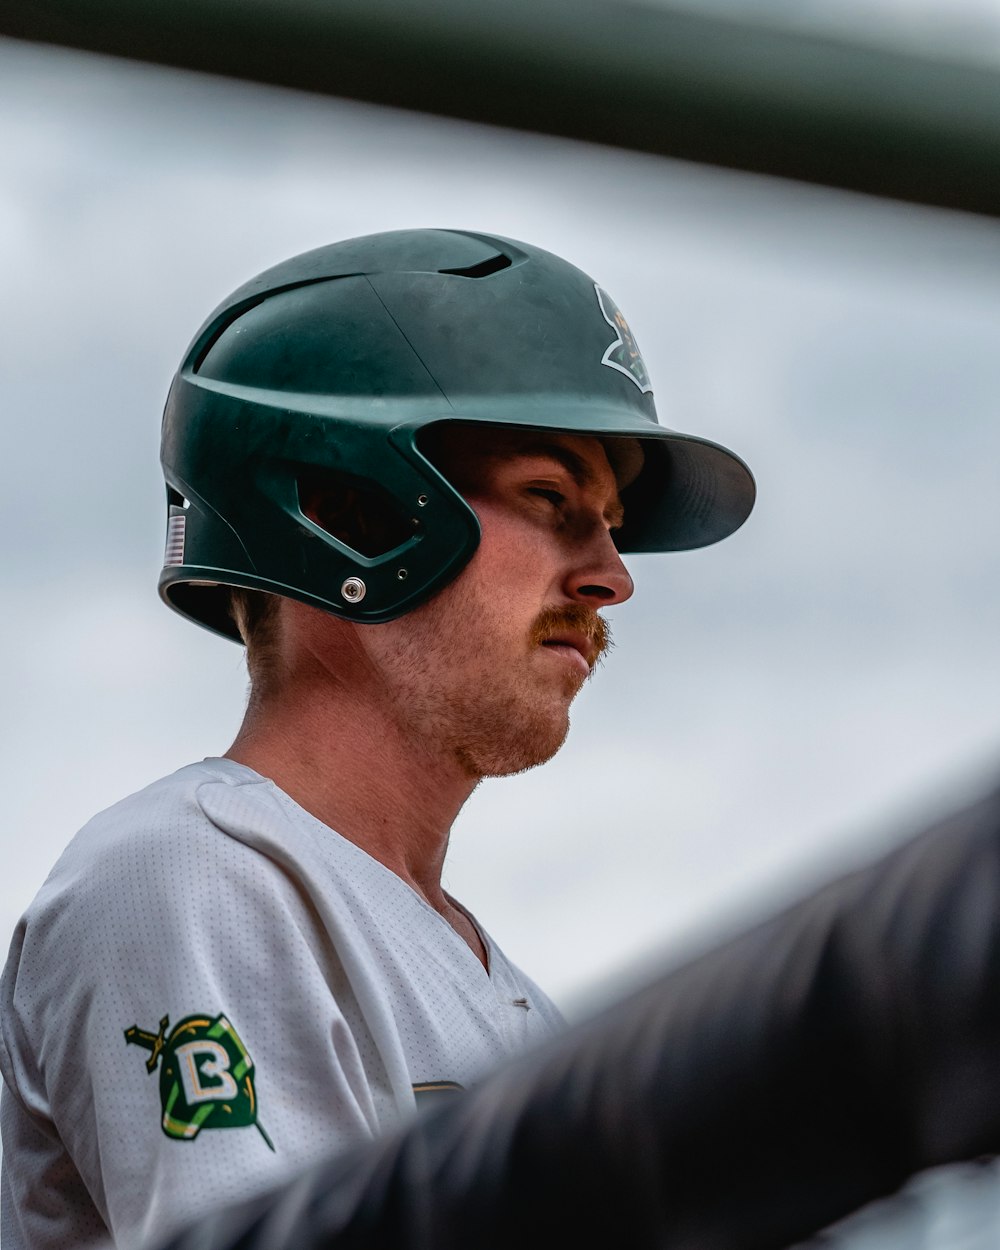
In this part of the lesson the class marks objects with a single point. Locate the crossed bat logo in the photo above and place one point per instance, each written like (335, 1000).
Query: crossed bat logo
(206, 1075)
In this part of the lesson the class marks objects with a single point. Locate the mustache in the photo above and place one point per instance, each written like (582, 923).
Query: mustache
(581, 620)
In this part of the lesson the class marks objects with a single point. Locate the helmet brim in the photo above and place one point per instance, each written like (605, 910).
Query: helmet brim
(689, 493)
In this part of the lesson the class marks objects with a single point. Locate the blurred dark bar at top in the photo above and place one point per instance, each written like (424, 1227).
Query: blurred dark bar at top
(649, 79)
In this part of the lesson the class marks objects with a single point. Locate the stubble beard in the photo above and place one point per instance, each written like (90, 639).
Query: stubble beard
(512, 737)
(496, 727)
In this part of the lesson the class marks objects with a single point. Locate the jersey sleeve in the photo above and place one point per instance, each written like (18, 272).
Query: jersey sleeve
(174, 1037)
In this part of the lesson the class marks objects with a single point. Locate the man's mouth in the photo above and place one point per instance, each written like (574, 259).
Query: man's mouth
(575, 632)
(570, 642)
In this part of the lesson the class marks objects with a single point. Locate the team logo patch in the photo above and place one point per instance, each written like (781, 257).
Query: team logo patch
(206, 1075)
(623, 354)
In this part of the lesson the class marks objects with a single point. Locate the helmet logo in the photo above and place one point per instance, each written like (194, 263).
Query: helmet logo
(623, 354)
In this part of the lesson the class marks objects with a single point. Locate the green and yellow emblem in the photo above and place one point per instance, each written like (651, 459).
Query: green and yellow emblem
(206, 1075)
(623, 353)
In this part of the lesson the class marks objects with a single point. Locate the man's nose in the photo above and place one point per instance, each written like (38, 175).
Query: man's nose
(600, 578)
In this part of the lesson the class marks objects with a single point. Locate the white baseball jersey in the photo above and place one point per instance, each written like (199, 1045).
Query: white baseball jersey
(213, 989)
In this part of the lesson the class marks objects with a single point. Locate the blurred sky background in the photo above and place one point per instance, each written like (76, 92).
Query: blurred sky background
(778, 708)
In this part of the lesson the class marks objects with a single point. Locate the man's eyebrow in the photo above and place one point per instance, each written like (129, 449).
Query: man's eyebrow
(579, 470)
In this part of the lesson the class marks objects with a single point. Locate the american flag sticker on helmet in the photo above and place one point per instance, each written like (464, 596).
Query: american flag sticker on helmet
(174, 553)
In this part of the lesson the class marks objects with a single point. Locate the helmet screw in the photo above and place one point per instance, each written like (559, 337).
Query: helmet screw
(353, 590)
(421, 501)
(401, 574)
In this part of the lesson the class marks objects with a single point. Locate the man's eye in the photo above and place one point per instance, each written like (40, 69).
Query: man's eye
(553, 496)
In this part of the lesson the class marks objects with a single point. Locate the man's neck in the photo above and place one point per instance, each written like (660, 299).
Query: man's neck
(365, 777)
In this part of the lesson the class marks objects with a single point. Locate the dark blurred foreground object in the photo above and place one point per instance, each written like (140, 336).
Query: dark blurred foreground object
(639, 76)
(742, 1102)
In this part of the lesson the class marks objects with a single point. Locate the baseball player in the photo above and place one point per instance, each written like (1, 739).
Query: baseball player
(402, 470)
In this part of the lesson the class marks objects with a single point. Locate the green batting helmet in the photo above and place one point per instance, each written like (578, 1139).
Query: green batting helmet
(336, 360)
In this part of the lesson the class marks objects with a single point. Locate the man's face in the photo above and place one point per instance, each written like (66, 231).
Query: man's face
(489, 667)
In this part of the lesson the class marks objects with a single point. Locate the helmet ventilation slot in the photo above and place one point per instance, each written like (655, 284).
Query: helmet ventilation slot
(483, 269)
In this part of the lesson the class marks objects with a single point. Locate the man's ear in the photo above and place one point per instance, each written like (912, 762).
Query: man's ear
(358, 513)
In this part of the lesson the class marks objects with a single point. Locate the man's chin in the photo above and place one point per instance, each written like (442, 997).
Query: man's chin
(515, 753)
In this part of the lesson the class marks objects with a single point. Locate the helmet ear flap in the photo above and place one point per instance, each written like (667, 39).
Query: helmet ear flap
(368, 544)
